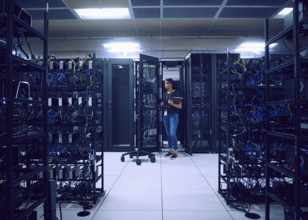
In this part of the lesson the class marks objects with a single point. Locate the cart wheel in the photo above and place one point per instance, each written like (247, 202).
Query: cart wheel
(131, 156)
(153, 159)
(138, 161)
(122, 159)
(150, 156)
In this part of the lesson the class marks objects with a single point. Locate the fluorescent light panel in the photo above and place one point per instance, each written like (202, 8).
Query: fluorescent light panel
(103, 13)
(285, 11)
(256, 45)
(122, 47)
(253, 47)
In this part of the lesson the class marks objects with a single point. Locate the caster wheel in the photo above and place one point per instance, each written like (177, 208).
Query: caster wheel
(122, 159)
(131, 156)
(138, 161)
(153, 159)
(150, 156)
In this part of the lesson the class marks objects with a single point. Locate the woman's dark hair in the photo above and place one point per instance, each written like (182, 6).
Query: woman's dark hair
(169, 80)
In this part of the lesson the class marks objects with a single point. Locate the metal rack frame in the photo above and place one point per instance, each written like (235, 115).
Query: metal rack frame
(294, 208)
(223, 156)
(7, 142)
(236, 166)
(92, 193)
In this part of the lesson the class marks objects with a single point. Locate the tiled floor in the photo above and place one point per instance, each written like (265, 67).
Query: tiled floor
(182, 189)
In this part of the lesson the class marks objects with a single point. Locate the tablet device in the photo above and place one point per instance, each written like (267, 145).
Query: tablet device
(177, 100)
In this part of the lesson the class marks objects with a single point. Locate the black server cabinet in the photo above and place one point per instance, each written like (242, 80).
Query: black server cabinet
(147, 99)
(119, 105)
(198, 104)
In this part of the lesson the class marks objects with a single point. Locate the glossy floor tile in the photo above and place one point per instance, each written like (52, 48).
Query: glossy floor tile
(181, 189)
(134, 200)
(128, 215)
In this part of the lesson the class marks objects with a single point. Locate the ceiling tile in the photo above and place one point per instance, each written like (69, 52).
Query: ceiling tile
(85, 44)
(148, 27)
(185, 27)
(146, 12)
(237, 23)
(55, 14)
(74, 48)
(110, 28)
(175, 43)
(257, 2)
(39, 4)
(219, 44)
(191, 2)
(247, 12)
(69, 28)
(247, 27)
(189, 12)
(235, 32)
(150, 43)
(145, 3)
(96, 3)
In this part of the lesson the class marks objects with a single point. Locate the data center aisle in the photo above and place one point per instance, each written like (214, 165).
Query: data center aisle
(181, 189)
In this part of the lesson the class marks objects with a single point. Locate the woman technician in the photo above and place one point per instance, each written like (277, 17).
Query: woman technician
(171, 117)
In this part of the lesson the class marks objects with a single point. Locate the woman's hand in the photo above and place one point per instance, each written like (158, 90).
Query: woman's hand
(179, 106)
(162, 103)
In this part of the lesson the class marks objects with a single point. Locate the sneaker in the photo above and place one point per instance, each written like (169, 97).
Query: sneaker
(174, 156)
(169, 154)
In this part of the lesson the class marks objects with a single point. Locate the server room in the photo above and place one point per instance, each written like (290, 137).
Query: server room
(153, 109)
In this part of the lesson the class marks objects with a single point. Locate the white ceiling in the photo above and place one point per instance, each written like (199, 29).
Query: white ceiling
(163, 28)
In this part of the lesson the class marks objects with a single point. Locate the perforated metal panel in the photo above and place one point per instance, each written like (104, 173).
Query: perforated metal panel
(147, 12)
(192, 2)
(247, 12)
(257, 2)
(189, 12)
(145, 3)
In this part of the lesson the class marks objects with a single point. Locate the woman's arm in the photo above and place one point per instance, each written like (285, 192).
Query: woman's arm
(179, 106)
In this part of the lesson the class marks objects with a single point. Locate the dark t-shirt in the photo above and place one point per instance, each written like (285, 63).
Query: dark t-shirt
(166, 97)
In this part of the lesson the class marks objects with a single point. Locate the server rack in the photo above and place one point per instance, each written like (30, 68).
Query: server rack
(119, 105)
(223, 118)
(198, 107)
(241, 94)
(75, 125)
(286, 145)
(23, 121)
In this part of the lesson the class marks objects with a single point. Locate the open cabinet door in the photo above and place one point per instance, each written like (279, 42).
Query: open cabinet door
(187, 104)
(147, 100)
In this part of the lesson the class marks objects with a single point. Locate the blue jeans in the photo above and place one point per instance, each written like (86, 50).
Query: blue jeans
(171, 124)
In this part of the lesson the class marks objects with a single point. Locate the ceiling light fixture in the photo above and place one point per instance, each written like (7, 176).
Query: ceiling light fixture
(103, 13)
(122, 47)
(253, 47)
(285, 11)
